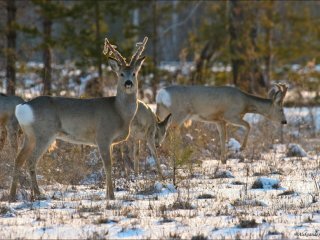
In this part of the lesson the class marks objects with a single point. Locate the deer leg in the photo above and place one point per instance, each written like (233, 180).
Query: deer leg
(136, 156)
(227, 133)
(105, 153)
(24, 154)
(222, 133)
(242, 123)
(13, 130)
(152, 147)
(42, 146)
(126, 154)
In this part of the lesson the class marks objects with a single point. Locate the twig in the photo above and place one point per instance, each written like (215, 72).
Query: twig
(183, 21)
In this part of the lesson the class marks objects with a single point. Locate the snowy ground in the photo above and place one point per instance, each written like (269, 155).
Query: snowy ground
(274, 196)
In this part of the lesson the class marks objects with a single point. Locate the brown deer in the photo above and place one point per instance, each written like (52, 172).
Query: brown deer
(102, 122)
(221, 105)
(146, 126)
(8, 122)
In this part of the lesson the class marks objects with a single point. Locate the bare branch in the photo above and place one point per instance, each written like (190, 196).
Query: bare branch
(183, 21)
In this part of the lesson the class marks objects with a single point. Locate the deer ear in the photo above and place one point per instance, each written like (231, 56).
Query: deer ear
(272, 92)
(138, 63)
(114, 64)
(166, 122)
(278, 97)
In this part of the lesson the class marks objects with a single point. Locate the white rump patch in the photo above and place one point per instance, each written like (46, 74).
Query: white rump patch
(163, 97)
(24, 114)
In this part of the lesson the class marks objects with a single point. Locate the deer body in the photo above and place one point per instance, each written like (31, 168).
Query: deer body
(221, 105)
(145, 126)
(99, 121)
(8, 121)
(80, 121)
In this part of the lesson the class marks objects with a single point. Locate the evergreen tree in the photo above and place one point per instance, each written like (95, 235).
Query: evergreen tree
(11, 47)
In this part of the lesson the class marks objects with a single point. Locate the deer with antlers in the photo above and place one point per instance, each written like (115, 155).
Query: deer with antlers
(101, 122)
(221, 105)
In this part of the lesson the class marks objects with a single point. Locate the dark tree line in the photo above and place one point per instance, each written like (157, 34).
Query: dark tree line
(254, 38)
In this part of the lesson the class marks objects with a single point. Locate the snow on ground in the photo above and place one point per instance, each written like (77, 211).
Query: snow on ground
(215, 201)
(200, 206)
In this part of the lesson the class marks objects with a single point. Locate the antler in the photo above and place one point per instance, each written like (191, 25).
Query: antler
(283, 87)
(141, 46)
(108, 47)
(278, 87)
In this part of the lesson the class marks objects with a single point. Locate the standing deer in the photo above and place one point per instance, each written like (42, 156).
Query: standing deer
(145, 126)
(102, 122)
(8, 122)
(221, 105)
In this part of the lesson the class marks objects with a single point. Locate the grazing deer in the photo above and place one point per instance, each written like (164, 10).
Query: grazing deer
(145, 126)
(102, 122)
(8, 122)
(222, 105)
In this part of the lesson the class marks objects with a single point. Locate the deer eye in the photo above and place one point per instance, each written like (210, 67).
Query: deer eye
(133, 74)
(121, 74)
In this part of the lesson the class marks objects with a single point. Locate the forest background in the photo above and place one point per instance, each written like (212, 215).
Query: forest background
(54, 47)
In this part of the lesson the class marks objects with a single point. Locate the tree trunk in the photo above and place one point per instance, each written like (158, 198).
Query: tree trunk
(205, 56)
(258, 83)
(268, 44)
(98, 46)
(11, 47)
(47, 27)
(236, 45)
(244, 51)
(155, 45)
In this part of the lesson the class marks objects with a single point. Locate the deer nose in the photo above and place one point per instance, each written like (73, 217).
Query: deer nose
(128, 84)
(284, 121)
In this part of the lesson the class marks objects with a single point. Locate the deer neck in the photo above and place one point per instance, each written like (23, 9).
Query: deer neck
(258, 105)
(126, 104)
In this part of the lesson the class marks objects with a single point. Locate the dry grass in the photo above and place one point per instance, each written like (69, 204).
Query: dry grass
(211, 204)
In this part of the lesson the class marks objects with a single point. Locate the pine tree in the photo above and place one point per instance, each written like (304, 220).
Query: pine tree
(11, 47)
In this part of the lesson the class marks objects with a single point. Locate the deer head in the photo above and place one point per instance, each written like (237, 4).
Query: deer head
(126, 72)
(277, 94)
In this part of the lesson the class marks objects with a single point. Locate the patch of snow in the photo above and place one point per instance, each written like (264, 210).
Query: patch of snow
(164, 189)
(223, 174)
(7, 211)
(158, 187)
(295, 150)
(303, 115)
(279, 148)
(266, 183)
(234, 145)
(295, 67)
(171, 187)
(151, 161)
(129, 233)
(93, 178)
